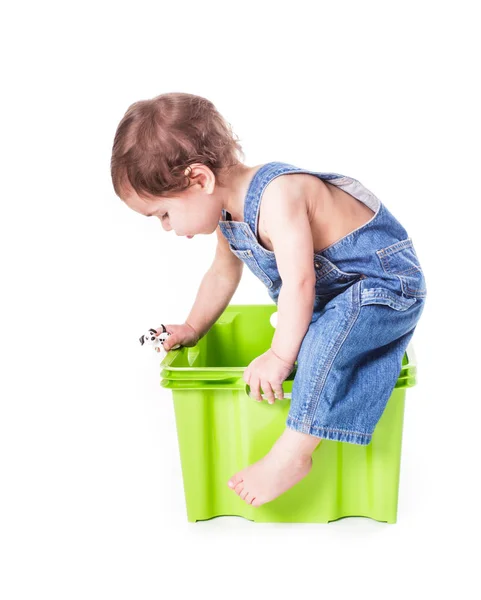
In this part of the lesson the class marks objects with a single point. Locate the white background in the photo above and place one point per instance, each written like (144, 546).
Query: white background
(91, 502)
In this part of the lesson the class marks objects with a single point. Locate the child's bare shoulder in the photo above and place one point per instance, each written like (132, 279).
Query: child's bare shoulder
(332, 213)
(288, 191)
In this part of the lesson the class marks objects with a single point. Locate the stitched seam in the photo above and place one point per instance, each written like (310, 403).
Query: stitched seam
(350, 236)
(401, 245)
(335, 350)
(254, 239)
(383, 265)
(321, 274)
(330, 428)
(342, 274)
(391, 270)
(381, 293)
(407, 289)
(261, 249)
(402, 301)
(395, 304)
(258, 246)
(255, 265)
(254, 207)
(409, 271)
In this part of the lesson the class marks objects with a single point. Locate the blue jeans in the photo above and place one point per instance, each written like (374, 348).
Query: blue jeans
(370, 293)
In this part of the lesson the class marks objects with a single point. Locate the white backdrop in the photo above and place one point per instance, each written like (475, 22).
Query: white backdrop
(91, 502)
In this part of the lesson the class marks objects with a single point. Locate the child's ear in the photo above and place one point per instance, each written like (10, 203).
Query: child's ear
(200, 174)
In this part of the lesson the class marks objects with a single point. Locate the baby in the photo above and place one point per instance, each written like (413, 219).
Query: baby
(342, 270)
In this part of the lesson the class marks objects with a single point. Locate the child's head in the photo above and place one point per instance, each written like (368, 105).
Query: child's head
(169, 154)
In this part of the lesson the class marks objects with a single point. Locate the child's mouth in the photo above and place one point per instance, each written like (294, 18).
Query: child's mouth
(190, 236)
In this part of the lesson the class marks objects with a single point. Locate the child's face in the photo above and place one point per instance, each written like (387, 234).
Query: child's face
(190, 212)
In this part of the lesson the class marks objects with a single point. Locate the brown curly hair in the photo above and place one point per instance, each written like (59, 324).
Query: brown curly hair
(158, 139)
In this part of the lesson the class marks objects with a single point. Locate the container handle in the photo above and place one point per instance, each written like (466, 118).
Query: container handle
(412, 361)
(287, 395)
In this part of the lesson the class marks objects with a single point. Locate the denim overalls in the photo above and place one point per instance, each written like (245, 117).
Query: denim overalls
(370, 293)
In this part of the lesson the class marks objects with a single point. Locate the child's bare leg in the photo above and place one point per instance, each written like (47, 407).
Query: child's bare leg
(288, 461)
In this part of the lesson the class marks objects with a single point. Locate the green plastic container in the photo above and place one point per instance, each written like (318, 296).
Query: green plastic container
(221, 430)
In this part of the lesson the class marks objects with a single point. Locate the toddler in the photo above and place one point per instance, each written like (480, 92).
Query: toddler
(342, 270)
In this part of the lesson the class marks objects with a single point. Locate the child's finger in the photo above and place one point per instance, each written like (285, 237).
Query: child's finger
(268, 393)
(167, 344)
(171, 343)
(279, 392)
(255, 389)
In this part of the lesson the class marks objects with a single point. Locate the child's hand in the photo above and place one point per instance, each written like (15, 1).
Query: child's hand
(183, 335)
(267, 372)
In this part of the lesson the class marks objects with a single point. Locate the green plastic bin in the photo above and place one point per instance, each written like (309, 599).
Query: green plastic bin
(221, 430)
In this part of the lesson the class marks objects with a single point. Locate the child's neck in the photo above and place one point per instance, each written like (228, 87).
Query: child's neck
(235, 190)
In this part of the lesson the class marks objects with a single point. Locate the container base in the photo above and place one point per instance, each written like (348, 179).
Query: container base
(346, 480)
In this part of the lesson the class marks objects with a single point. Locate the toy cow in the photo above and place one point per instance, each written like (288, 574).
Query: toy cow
(157, 341)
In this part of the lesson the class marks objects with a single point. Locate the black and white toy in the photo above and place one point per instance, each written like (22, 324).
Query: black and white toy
(157, 341)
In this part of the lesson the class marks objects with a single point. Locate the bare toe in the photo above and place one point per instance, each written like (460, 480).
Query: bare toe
(239, 488)
(248, 498)
(234, 480)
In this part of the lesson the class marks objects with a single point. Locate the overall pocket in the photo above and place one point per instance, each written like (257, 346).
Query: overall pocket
(387, 297)
(400, 260)
(332, 281)
(247, 257)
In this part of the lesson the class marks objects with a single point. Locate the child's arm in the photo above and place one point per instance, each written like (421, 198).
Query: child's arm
(217, 288)
(295, 306)
(287, 225)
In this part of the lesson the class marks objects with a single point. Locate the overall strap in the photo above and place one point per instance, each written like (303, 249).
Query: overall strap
(261, 179)
(259, 182)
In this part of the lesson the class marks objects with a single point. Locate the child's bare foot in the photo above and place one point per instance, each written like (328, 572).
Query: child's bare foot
(286, 464)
